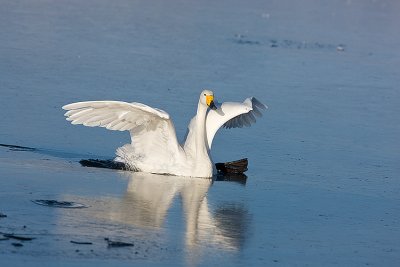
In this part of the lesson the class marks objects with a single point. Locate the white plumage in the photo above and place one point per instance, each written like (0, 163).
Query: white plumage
(154, 147)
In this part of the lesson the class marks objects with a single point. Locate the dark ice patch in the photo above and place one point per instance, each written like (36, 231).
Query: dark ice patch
(48, 152)
(293, 44)
(247, 42)
(2, 238)
(81, 242)
(107, 164)
(304, 45)
(288, 44)
(18, 148)
(114, 244)
(18, 237)
(59, 204)
(243, 40)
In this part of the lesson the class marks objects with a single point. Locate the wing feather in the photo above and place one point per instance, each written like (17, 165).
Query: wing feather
(233, 115)
(152, 132)
(113, 115)
(247, 118)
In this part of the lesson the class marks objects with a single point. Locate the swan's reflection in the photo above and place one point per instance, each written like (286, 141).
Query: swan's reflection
(149, 197)
(148, 213)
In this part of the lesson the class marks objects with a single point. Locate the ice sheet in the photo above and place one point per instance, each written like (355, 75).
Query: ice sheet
(323, 177)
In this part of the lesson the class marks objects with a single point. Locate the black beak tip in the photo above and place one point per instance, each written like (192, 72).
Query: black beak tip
(212, 105)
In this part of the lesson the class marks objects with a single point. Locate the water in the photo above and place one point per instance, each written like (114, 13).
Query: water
(323, 177)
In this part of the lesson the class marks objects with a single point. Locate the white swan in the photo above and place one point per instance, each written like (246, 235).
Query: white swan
(154, 146)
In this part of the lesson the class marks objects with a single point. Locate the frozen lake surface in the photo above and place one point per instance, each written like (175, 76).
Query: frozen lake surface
(323, 181)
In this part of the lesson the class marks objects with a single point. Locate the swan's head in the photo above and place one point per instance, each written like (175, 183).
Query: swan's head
(207, 98)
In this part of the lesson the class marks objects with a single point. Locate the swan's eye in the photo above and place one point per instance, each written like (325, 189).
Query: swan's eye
(204, 94)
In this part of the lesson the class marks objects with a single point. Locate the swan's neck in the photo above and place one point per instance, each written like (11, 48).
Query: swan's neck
(195, 147)
(200, 138)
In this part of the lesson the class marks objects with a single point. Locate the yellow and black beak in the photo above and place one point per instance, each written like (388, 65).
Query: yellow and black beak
(210, 102)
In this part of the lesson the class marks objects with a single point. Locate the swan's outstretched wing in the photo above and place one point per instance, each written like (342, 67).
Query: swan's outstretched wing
(233, 115)
(113, 115)
(151, 129)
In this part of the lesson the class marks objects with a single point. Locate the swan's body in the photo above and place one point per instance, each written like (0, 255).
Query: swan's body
(154, 146)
